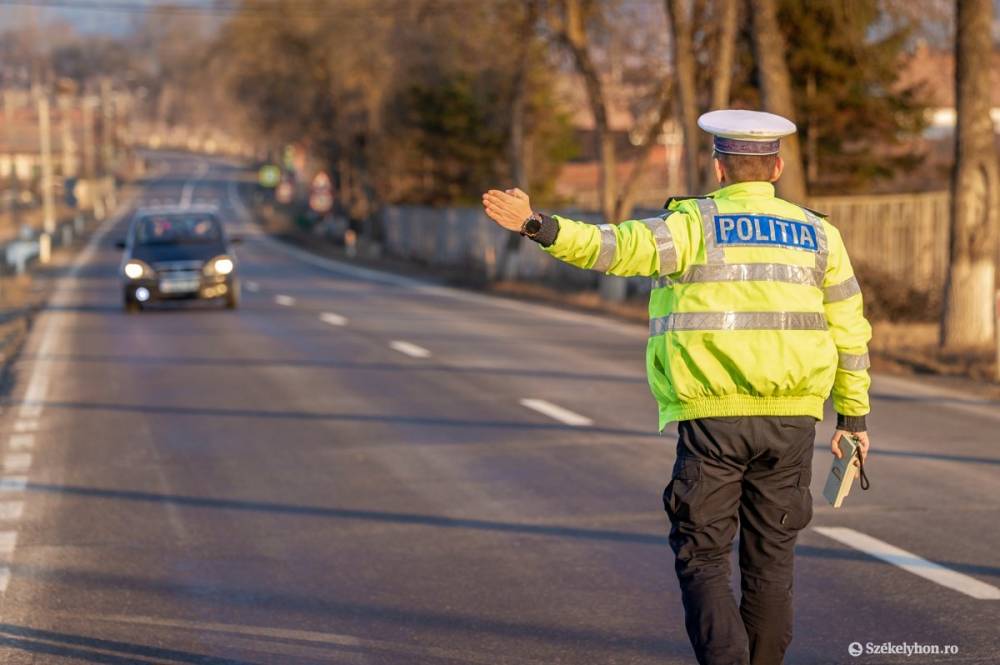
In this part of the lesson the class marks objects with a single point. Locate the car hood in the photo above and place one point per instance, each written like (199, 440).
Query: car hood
(193, 252)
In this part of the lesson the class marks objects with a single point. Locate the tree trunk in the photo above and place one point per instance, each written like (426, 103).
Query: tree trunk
(776, 92)
(507, 264)
(722, 81)
(623, 203)
(968, 320)
(683, 54)
(575, 36)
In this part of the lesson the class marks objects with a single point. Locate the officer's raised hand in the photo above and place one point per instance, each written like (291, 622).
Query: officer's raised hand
(862, 438)
(509, 208)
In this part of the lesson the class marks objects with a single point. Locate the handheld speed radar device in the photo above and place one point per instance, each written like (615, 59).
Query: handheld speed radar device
(843, 471)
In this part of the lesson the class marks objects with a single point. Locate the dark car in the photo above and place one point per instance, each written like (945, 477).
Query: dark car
(176, 254)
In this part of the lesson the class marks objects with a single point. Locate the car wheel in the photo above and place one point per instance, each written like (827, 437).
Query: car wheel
(132, 306)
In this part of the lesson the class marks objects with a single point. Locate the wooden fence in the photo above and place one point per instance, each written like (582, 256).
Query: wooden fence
(903, 235)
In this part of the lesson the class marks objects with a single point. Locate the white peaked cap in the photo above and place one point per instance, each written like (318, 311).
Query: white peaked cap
(746, 132)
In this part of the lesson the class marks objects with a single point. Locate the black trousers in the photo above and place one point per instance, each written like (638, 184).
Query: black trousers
(753, 472)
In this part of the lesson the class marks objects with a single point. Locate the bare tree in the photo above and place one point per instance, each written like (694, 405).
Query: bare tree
(623, 202)
(507, 262)
(615, 202)
(727, 18)
(574, 35)
(968, 311)
(776, 91)
(687, 100)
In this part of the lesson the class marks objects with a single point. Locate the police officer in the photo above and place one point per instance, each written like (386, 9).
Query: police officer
(755, 318)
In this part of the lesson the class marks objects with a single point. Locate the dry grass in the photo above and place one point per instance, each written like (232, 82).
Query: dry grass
(913, 348)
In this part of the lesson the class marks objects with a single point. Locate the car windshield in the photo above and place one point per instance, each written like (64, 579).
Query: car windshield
(178, 230)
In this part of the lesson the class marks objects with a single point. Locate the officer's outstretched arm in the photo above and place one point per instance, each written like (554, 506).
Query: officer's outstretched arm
(851, 333)
(654, 246)
(649, 247)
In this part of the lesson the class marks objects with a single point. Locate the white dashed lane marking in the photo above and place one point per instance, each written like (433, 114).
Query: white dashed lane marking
(22, 441)
(17, 462)
(912, 563)
(333, 319)
(30, 411)
(556, 412)
(408, 349)
(8, 541)
(284, 301)
(11, 510)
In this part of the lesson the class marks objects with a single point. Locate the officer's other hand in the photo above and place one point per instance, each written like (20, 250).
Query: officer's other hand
(862, 438)
(508, 208)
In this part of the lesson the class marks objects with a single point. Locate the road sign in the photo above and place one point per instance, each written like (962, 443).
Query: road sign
(269, 176)
(321, 193)
(321, 201)
(285, 192)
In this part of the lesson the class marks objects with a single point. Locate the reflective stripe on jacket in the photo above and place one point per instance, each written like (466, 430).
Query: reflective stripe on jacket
(754, 310)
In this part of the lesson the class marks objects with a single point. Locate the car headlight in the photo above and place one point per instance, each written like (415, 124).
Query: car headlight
(135, 269)
(220, 265)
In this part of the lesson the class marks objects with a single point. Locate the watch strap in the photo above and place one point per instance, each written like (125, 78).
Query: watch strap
(547, 232)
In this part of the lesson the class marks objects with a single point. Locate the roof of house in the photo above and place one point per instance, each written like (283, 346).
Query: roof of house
(934, 70)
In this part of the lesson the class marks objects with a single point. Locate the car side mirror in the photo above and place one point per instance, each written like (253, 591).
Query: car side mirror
(120, 243)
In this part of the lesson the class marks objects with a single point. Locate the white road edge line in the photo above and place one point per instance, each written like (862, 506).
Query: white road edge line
(333, 319)
(47, 331)
(284, 301)
(911, 562)
(556, 412)
(408, 349)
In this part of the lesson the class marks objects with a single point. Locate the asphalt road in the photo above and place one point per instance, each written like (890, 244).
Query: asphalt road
(343, 471)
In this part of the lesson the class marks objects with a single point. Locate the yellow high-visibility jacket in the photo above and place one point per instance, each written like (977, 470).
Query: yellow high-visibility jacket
(755, 310)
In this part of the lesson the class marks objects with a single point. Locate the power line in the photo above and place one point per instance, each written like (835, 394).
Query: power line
(217, 7)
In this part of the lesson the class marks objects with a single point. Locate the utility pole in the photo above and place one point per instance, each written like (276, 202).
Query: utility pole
(48, 204)
(9, 135)
(69, 163)
(107, 129)
(89, 147)
(90, 157)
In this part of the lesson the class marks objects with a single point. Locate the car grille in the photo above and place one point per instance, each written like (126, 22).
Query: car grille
(179, 269)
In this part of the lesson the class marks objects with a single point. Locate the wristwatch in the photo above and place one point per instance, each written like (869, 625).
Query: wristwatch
(532, 226)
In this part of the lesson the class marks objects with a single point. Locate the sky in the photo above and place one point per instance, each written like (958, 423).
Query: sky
(108, 17)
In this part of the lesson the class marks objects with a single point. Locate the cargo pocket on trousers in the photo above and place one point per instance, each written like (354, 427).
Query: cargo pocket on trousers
(798, 510)
(679, 494)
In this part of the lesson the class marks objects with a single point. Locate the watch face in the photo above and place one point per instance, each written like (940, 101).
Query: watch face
(532, 226)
